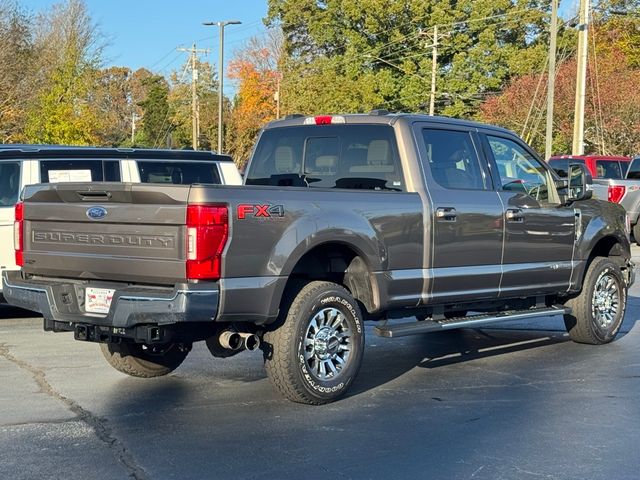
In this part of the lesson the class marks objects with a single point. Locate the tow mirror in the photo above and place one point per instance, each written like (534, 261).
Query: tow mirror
(580, 183)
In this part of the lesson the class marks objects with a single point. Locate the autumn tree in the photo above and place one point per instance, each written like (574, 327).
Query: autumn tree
(17, 68)
(255, 69)
(612, 113)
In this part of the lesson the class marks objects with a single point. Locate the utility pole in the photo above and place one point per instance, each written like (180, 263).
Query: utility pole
(548, 150)
(581, 79)
(276, 96)
(134, 117)
(195, 109)
(434, 66)
(221, 25)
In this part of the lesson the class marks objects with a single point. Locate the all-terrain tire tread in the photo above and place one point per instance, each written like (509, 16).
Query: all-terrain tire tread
(577, 323)
(282, 372)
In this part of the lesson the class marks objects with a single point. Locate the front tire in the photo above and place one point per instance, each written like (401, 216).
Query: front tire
(598, 311)
(143, 361)
(314, 356)
(636, 233)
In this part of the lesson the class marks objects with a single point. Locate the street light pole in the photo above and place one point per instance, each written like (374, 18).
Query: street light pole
(221, 25)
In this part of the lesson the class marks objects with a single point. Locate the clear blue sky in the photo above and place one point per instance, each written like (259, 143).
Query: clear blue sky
(145, 33)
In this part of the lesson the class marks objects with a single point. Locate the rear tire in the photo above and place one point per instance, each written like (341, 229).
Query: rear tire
(145, 361)
(598, 311)
(315, 354)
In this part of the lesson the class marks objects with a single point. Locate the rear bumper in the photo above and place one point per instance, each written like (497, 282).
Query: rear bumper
(62, 300)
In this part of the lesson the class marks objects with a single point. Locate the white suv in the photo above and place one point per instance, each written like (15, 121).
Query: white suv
(22, 165)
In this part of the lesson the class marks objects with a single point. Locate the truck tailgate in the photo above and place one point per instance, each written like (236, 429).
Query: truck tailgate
(106, 231)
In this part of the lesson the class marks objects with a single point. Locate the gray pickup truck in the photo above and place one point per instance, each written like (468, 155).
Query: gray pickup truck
(443, 223)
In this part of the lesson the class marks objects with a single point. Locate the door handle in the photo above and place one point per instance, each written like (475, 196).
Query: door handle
(446, 214)
(514, 215)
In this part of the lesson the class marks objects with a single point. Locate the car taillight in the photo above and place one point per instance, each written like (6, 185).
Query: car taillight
(18, 234)
(616, 192)
(207, 234)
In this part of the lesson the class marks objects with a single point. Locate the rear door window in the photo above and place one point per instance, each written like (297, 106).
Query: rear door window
(178, 172)
(9, 183)
(453, 160)
(79, 170)
(608, 169)
(361, 157)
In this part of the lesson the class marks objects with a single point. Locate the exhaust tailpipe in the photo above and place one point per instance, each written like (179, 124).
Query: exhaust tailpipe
(251, 341)
(231, 340)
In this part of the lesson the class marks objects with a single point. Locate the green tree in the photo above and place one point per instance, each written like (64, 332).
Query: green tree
(156, 114)
(69, 57)
(181, 105)
(354, 55)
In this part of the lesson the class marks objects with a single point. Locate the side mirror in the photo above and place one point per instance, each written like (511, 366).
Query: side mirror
(580, 183)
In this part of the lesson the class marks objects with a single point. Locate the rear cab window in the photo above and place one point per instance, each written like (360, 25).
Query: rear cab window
(9, 183)
(361, 157)
(79, 170)
(178, 172)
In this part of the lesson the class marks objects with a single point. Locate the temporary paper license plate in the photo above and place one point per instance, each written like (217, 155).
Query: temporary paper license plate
(97, 300)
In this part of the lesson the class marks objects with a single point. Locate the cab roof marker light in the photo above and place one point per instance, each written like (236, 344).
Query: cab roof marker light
(324, 120)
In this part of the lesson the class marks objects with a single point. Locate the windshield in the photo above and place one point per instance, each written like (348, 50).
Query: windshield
(9, 183)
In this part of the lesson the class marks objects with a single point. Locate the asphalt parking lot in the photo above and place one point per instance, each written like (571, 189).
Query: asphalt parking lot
(516, 402)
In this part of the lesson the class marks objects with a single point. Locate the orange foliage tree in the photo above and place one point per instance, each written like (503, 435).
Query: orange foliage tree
(255, 69)
(612, 110)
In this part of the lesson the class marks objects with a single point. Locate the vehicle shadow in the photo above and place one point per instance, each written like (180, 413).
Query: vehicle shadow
(10, 312)
(435, 350)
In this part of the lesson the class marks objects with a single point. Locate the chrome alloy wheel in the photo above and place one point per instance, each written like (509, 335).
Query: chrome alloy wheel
(606, 300)
(327, 344)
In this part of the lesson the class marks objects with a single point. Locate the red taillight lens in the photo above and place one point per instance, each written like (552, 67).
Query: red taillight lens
(18, 234)
(616, 192)
(323, 120)
(207, 234)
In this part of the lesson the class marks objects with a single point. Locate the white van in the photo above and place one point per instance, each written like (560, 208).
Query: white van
(22, 165)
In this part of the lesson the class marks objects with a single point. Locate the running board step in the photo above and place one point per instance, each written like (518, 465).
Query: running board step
(428, 326)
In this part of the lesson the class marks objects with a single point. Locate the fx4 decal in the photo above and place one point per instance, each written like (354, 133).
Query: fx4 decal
(259, 211)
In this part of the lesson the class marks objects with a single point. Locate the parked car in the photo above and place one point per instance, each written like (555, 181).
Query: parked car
(599, 166)
(22, 165)
(341, 219)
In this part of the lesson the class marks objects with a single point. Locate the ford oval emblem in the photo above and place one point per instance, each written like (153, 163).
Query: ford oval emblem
(96, 213)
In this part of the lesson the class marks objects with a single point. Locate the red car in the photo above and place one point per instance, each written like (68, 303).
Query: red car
(599, 166)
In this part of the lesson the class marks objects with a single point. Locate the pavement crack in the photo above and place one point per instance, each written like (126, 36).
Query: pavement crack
(101, 429)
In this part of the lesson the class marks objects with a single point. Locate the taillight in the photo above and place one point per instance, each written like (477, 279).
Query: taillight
(324, 120)
(207, 234)
(616, 192)
(18, 234)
